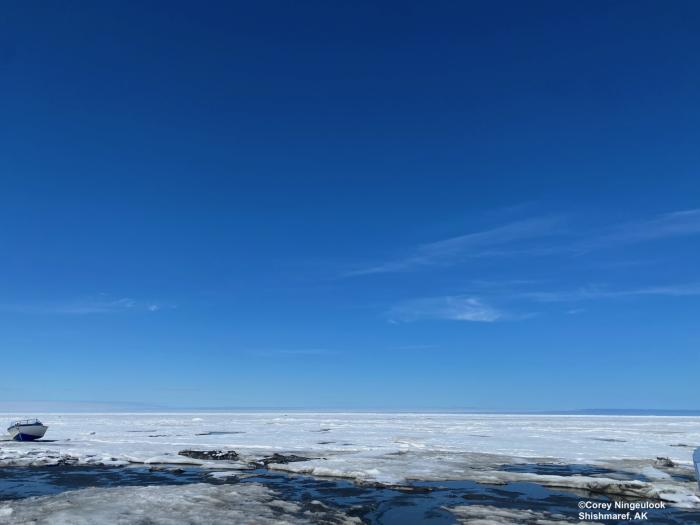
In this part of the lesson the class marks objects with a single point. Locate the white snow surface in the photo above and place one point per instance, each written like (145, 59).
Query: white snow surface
(372, 447)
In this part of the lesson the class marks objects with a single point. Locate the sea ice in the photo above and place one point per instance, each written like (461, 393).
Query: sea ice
(196, 504)
(488, 515)
(389, 448)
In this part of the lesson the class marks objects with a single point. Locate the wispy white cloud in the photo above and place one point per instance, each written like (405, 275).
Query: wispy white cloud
(455, 308)
(307, 351)
(480, 309)
(416, 348)
(294, 352)
(471, 245)
(539, 236)
(668, 225)
(677, 290)
(675, 224)
(84, 306)
(600, 292)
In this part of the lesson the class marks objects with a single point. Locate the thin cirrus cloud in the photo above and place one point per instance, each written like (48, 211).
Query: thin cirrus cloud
(84, 306)
(472, 245)
(537, 237)
(596, 292)
(675, 224)
(294, 352)
(476, 309)
(454, 308)
(668, 225)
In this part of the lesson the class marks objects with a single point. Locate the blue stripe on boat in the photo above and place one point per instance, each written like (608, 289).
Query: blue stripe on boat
(24, 437)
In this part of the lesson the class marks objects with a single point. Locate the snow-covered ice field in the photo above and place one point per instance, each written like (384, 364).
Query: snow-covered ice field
(359, 437)
(393, 448)
(139, 436)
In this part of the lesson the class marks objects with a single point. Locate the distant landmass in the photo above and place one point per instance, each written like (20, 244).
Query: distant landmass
(35, 407)
(626, 412)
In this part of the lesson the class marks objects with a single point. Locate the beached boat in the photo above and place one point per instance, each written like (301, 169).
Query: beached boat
(27, 430)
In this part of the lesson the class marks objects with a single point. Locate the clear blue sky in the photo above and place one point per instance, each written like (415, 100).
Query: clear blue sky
(488, 205)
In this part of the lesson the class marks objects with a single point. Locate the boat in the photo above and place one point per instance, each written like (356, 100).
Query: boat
(27, 430)
(696, 460)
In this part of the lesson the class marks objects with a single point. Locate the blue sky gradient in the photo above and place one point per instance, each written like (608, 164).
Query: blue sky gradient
(474, 205)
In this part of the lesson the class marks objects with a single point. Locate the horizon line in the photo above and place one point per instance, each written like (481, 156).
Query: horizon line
(127, 408)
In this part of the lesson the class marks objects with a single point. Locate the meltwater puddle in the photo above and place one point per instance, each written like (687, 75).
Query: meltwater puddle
(556, 469)
(421, 503)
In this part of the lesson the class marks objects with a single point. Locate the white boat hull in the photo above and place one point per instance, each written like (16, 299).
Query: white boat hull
(27, 432)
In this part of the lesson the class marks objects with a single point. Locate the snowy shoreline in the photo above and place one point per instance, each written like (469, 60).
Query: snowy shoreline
(392, 448)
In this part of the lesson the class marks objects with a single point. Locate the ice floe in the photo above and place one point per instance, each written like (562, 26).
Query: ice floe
(196, 504)
(489, 515)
